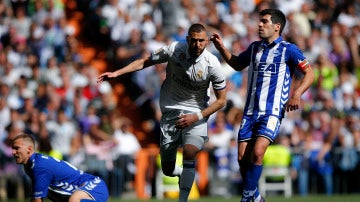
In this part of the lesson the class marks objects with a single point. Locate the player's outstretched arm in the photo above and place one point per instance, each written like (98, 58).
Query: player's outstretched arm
(132, 67)
(229, 58)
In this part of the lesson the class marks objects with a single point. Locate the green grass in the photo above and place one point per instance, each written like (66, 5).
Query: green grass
(310, 198)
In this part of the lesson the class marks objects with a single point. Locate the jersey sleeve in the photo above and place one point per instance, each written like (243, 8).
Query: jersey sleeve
(297, 59)
(217, 77)
(162, 54)
(41, 182)
(245, 56)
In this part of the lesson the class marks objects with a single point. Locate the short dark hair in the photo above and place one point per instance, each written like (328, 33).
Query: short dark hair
(26, 137)
(277, 16)
(197, 27)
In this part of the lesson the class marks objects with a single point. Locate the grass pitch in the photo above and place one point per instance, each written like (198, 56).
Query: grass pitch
(310, 198)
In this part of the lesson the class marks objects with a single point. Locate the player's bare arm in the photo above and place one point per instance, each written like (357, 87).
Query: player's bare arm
(187, 120)
(132, 67)
(301, 86)
(229, 58)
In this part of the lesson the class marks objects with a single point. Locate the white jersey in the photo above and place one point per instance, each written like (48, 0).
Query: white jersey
(188, 79)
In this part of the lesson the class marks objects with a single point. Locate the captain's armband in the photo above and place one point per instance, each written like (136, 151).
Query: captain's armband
(303, 65)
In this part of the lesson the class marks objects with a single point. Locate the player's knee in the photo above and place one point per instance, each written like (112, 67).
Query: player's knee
(190, 152)
(79, 196)
(167, 168)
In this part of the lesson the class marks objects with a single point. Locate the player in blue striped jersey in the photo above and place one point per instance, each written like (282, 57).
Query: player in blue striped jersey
(272, 64)
(56, 179)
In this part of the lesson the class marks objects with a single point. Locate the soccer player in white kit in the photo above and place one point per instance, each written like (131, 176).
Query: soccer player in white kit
(184, 100)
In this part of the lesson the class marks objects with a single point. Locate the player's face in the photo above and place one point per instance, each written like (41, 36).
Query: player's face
(21, 151)
(268, 30)
(197, 41)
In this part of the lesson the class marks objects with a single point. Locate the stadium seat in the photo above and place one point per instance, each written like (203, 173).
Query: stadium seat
(276, 172)
(165, 184)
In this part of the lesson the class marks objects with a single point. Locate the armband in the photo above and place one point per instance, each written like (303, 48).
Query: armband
(303, 65)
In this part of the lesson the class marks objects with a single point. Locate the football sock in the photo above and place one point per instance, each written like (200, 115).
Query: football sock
(187, 179)
(251, 181)
(177, 171)
(86, 200)
(257, 199)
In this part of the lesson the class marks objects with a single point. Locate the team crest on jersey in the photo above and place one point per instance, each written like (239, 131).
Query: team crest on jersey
(182, 56)
(276, 53)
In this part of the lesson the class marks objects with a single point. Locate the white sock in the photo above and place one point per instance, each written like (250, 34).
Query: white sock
(177, 170)
(258, 198)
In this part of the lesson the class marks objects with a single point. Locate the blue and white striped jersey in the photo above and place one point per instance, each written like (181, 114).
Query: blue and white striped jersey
(270, 71)
(60, 176)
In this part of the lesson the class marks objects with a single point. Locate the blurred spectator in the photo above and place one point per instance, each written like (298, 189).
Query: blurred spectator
(98, 146)
(326, 74)
(320, 137)
(22, 23)
(4, 116)
(10, 174)
(218, 146)
(64, 135)
(124, 153)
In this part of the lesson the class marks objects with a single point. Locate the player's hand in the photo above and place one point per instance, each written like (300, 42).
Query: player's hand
(293, 104)
(186, 120)
(106, 76)
(217, 41)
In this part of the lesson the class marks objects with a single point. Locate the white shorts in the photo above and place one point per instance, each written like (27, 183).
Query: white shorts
(171, 137)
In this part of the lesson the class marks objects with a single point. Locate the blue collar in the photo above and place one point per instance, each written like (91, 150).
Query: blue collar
(276, 41)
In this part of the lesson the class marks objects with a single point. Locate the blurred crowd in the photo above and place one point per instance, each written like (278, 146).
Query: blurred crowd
(47, 90)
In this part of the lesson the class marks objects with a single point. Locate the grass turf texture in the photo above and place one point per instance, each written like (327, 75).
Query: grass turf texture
(310, 198)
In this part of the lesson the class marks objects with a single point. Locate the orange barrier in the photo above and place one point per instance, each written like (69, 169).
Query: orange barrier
(146, 172)
(202, 169)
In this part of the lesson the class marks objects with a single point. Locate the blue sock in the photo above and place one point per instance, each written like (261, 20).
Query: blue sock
(86, 200)
(251, 182)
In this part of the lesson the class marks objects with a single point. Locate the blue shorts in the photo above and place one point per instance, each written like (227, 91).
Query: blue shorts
(97, 189)
(253, 126)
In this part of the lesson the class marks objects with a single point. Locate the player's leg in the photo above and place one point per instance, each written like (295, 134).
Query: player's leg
(78, 195)
(57, 197)
(266, 130)
(244, 154)
(95, 190)
(170, 139)
(255, 168)
(245, 149)
(188, 175)
(168, 163)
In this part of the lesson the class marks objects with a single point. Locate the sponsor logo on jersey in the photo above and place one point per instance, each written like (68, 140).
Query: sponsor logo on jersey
(267, 67)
